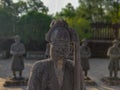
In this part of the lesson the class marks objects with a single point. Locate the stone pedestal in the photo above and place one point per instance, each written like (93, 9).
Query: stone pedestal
(89, 82)
(15, 82)
(111, 81)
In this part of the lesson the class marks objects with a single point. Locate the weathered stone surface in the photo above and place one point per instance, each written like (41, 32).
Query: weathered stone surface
(90, 82)
(56, 72)
(114, 55)
(17, 51)
(111, 81)
(85, 54)
(15, 82)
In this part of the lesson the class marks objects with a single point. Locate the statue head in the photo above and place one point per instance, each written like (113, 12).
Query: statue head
(59, 38)
(115, 42)
(17, 38)
(84, 42)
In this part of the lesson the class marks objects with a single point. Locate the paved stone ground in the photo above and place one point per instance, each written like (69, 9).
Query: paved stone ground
(97, 71)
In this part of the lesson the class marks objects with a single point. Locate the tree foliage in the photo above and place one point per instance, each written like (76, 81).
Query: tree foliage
(90, 11)
(27, 19)
(66, 12)
(31, 21)
(37, 5)
(99, 10)
(81, 25)
(33, 26)
(6, 23)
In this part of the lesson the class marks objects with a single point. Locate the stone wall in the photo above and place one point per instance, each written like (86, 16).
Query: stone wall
(99, 48)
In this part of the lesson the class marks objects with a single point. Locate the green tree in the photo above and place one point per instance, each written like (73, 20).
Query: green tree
(92, 10)
(19, 8)
(6, 3)
(66, 12)
(99, 10)
(37, 5)
(81, 25)
(75, 20)
(33, 26)
(30, 22)
(6, 23)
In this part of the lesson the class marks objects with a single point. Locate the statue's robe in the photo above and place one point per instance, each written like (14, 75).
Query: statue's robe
(17, 50)
(43, 76)
(85, 54)
(114, 54)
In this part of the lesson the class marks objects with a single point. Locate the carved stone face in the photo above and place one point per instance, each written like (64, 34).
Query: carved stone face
(116, 44)
(59, 51)
(84, 43)
(17, 39)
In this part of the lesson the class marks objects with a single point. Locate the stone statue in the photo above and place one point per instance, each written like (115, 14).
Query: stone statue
(114, 55)
(56, 72)
(85, 54)
(17, 50)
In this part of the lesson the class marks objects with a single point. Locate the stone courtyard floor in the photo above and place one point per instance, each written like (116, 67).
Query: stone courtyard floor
(97, 71)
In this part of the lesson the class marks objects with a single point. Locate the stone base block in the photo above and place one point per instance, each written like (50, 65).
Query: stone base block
(90, 82)
(15, 82)
(111, 81)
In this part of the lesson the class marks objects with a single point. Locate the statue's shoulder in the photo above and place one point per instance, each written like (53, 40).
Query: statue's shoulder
(69, 61)
(42, 64)
(111, 48)
(70, 64)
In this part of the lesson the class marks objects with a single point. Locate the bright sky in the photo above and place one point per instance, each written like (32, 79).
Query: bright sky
(57, 5)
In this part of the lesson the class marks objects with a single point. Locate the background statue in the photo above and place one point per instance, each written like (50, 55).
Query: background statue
(17, 50)
(85, 54)
(114, 55)
(56, 72)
